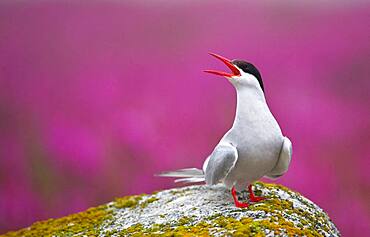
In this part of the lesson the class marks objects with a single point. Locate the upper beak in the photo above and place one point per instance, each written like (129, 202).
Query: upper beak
(227, 62)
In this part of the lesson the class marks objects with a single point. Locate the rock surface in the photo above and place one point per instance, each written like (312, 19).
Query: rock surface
(194, 211)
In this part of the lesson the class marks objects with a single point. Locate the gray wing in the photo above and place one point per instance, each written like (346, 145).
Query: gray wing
(282, 164)
(220, 163)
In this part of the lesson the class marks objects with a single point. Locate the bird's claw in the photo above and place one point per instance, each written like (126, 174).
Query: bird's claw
(241, 204)
(236, 201)
(253, 198)
(256, 199)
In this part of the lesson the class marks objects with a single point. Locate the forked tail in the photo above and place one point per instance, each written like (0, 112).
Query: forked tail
(188, 175)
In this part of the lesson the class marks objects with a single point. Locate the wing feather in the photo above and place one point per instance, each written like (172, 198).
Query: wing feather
(220, 163)
(283, 162)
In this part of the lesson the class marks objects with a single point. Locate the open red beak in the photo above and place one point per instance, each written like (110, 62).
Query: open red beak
(227, 62)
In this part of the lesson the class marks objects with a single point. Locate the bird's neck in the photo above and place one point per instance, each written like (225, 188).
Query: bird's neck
(250, 101)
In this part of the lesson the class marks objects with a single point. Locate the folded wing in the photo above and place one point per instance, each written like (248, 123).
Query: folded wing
(220, 163)
(283, 162)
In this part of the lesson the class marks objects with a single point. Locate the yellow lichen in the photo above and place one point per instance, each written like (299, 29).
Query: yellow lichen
(148, 201)
(84, 223)
(243, 227)
(229, 225)
(184, 220)
(130, 201)
(89, 223)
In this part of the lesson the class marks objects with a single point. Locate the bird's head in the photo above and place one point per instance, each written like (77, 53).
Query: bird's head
(243, 74)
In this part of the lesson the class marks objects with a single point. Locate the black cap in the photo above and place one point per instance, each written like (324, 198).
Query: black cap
(249, 68)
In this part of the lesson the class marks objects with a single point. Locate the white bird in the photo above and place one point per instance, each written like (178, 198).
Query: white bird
(253, 148)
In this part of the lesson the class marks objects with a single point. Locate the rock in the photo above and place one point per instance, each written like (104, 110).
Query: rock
(194, 211)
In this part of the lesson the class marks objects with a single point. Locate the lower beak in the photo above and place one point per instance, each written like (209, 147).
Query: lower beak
(234, 71)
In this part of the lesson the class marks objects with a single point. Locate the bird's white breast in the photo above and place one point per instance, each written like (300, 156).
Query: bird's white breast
(257, 137)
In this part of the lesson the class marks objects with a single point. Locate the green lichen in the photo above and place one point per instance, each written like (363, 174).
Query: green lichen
(148, 201)
(228, 225)
(90, 222)
(130, 201)
(85, 223)
(185, 220)
(277, 208)
(180, 192)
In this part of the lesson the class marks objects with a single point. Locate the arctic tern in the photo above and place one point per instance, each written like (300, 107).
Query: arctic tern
(253, 148)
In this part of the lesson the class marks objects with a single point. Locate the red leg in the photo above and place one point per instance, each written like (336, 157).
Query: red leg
(253, 198)
(236, 201)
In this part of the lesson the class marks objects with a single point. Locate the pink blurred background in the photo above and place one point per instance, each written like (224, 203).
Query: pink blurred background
(96, 97)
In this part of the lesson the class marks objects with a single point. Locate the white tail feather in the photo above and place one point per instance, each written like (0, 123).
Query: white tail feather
(188, 175)
(190, 180)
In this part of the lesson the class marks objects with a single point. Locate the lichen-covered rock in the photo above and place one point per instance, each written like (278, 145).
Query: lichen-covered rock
(194, 211)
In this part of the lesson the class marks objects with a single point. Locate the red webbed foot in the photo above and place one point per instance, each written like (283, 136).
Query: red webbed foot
(236, 201)
(253, 198)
